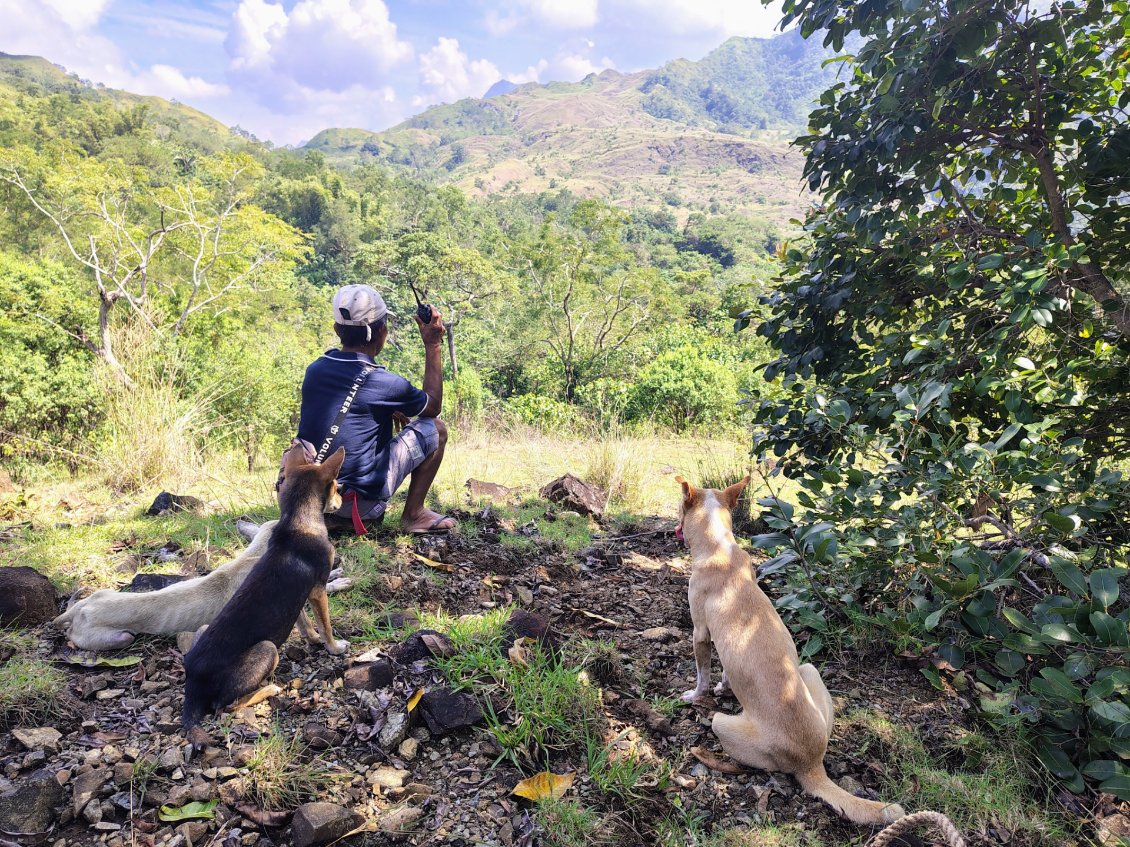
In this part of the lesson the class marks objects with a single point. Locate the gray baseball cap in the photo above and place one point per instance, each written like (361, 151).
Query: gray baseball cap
(358, 305)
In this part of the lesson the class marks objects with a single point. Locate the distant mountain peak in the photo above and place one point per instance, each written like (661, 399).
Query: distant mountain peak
(503, 86)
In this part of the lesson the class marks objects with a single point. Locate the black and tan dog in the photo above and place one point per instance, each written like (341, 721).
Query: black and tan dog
(233, 656)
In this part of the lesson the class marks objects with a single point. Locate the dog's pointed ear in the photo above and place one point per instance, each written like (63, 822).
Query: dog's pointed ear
(688, 490)
(332, 466)
(295, 458)
(730, 495)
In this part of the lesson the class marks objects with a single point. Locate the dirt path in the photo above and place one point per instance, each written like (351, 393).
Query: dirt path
(120, 757)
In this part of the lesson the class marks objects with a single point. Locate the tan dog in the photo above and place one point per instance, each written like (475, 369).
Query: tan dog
(109, 620)
(787, 713)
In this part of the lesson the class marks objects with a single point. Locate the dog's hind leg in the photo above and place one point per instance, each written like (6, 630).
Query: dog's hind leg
(743, 741)
(244, 684)
(701, 639)
(321, 606)
(820, 695)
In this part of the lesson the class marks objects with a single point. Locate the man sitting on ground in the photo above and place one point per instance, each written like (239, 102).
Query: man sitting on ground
(376, 461)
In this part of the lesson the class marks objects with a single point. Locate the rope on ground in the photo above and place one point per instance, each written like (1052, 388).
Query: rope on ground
(904, 825)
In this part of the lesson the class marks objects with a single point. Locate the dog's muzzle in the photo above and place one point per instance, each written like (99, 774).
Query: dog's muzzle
(679, 534)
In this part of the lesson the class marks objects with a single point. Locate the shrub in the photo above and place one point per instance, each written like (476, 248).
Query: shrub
(467, 394)
(682, 389)
(541, 412)
(605, 400)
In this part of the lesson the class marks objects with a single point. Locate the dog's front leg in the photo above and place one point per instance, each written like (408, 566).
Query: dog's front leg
(321, 606)
(701, 639)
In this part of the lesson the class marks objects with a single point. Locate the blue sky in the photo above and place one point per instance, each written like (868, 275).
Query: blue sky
(285, 70)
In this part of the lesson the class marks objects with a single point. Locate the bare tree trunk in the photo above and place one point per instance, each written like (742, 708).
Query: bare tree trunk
(105, 340)
(451, 348)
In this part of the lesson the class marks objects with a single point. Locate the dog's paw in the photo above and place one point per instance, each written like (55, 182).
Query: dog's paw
(338, 648)
(334, 574)
(691, 696)
(340, 584)
(722, 689)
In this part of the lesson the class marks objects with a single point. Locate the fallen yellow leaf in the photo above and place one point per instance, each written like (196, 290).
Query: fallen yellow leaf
(432, 563)
(415, 699)
(517, 653)
(544, 785)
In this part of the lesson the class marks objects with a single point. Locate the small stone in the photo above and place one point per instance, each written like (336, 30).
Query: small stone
(92, 811)
(172, 758)
(87, 785)
(107, 826)
(91, 684)
(123, 773)
(109, 694)
(194, 832)
(41, 738)
(408, 749)
(388, 777)
(659, 633)
(321, 737)
(62, 776)
(369, 676)
(321, 823)
(401, 823)
(394, 731)
(851, 785)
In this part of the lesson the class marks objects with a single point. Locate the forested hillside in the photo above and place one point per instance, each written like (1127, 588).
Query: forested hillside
(132, 242)
(698, 136)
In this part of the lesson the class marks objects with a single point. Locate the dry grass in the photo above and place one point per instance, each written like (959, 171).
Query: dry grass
(31, 690)
(281, 775)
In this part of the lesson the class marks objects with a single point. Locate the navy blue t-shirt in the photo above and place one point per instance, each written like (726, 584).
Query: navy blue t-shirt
(367, 428)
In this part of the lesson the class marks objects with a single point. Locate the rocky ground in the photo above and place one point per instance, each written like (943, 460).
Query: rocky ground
(347, 734)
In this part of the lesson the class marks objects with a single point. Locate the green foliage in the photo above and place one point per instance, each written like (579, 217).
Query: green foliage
(47, 398)
(683, 389)
(954, 337)
(544, 412)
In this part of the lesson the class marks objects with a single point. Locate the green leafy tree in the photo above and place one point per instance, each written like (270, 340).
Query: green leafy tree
(954, 337)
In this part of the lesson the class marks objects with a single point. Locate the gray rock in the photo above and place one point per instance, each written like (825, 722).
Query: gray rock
(394, 731)
(401, 822)
(87, 786)
(41, 738)
(321, 823)
(27, 597)
(445, 711)
(171, 759)
(659, 633)
(852, 786)
(32, 804)
(575, 494)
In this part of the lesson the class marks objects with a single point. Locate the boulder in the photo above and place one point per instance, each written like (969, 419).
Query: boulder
(166, 504)
(31, 805)
(575, 494)
(27, 597)
(369, 676)
(523, 624)
(415, 647)
(321, 823)
(445, 711)
(45, 738)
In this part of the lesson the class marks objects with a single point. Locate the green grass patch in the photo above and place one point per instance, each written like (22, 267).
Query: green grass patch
(31, 690)
(566, 823)
(566, 530)
(994, 787)
(281, 774)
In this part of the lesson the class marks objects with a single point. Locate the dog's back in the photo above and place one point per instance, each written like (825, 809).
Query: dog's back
(267, 605)
(109, 619)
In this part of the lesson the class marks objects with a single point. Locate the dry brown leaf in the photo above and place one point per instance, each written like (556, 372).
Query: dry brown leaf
(517, 653)
(415, 699)
(714, 763)
(439, 646)
(544, 785)
(432, 563)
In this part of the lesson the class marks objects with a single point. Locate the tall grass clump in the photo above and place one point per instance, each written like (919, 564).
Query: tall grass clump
(32, 691)
(615, 464)
(154, 431)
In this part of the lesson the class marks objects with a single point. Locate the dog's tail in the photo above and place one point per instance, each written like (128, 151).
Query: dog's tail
(855, 809)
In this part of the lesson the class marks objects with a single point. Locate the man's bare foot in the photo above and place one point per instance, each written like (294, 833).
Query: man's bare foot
(427, 521)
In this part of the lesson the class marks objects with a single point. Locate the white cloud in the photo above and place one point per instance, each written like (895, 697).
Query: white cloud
(328, 45)
(167, 81)
(446, 74)
(564, 14)
(723, 18)
(566, 66)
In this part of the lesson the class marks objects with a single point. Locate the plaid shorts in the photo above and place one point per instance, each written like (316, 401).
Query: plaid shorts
(406, 452)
